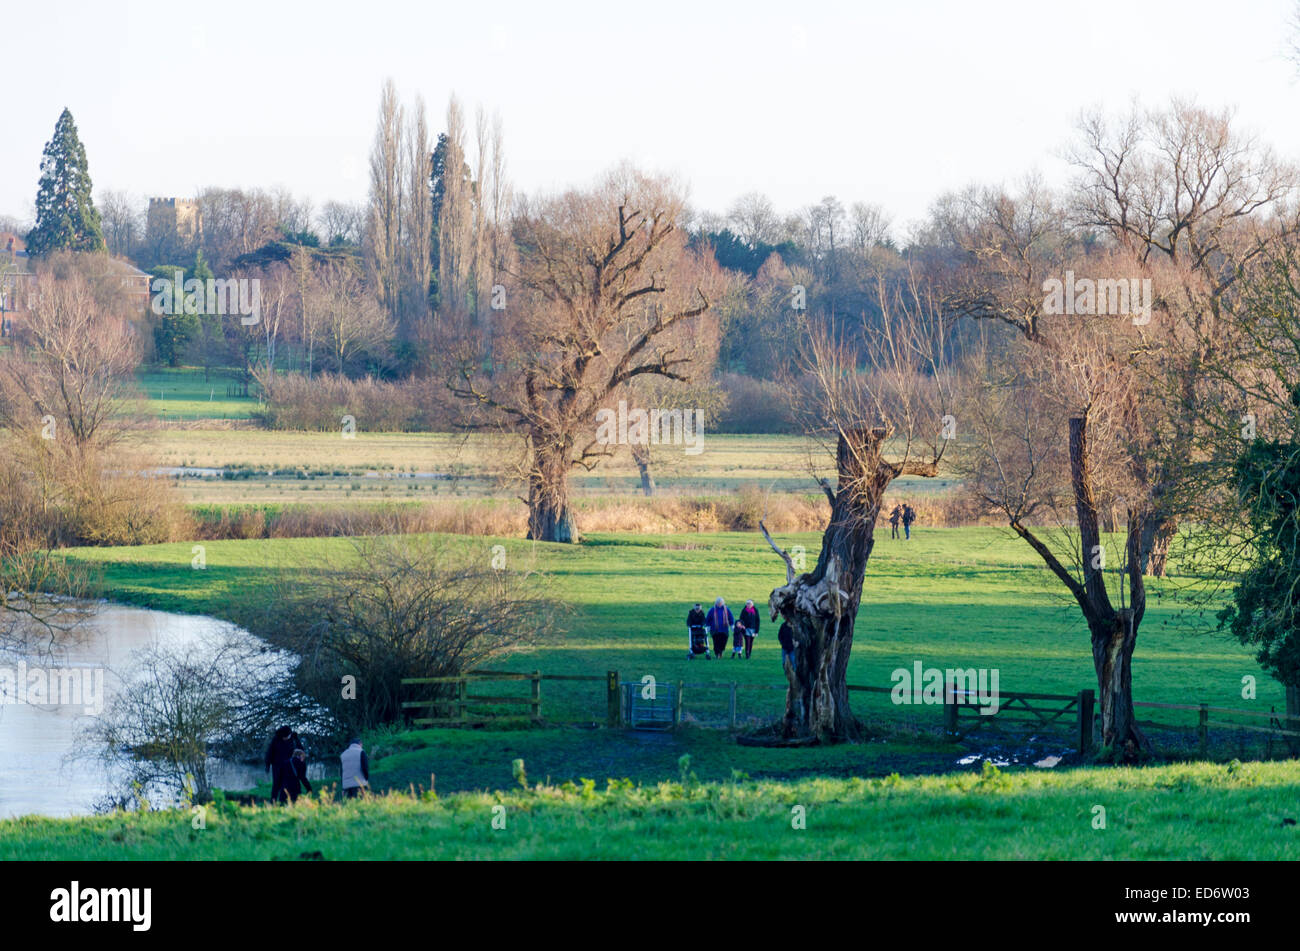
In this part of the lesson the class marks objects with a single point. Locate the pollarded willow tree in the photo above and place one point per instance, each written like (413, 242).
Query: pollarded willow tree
(604, 287)
(1056, 447)
(883, 408)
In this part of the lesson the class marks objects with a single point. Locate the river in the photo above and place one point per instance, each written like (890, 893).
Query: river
(37, 772)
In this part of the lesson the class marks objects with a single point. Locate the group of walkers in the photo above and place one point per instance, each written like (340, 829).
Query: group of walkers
(719, 623)
(902, 513)
(286, 760)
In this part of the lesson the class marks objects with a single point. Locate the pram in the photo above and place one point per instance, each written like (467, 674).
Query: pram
(699, 643)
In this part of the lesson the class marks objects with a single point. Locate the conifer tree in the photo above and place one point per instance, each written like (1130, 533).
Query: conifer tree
(66, 218)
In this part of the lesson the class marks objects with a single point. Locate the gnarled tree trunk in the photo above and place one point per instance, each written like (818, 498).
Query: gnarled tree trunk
(641, 456)
(1114, 633)
(1157, 533)
(1112, 657)
(550, 519)
(822, 605)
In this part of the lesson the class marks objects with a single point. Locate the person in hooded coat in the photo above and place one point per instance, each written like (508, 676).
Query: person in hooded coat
(279, 762)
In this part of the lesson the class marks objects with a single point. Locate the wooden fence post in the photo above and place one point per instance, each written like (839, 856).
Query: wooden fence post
(613, 708)
(1086, 711)
(1203, 728)
(537, 695)
(950, 710)
(731, 708)
(461, 706)
(677, 705)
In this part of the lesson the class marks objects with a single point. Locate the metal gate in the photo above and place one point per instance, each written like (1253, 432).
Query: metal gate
(650, 706)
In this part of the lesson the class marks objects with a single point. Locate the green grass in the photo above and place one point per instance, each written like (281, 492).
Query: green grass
(1185, 811)
(184, 394)
(951, 597)
(968, 597)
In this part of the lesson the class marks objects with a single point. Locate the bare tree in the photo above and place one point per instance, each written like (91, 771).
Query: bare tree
(754, 220)
(406, 607)
(72, 373)
(885, 422)
(417, 229)
(123, 220)
(341, 222)
(351, 319)
(384, 234)
(604, 275)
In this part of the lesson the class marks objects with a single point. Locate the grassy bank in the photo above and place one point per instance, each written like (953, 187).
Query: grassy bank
(1171, 812)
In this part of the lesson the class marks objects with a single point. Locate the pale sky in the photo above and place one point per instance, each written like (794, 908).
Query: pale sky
(889, 102)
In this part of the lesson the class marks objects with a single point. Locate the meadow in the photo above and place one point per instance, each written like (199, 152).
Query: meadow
(949, 597)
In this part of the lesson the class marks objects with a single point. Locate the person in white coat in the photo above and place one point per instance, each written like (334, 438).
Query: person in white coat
(356, 769)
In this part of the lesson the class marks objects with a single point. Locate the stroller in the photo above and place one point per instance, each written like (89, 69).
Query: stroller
(699, 643)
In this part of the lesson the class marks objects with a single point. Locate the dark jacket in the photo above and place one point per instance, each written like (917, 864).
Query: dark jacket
(750, 618)
(909, 515)
(895, 515)
(721, 619)
(281, 748)
(786, 636)
(300, 771)
(695, 618)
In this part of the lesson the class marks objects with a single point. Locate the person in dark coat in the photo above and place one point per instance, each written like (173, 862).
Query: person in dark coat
(894, 516)
(697, 638)
(750, 618)
(300, 780)
(909, 516)
(720, 622)
(279, 762)
(785, 636)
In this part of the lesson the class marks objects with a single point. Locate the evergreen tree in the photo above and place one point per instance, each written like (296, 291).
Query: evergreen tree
(66, 218)
(1265, 610)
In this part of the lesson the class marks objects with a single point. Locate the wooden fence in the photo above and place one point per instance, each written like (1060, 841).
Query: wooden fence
(477, 709)
(962, 716)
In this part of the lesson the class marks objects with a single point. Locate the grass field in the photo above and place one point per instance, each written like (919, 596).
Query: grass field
(328, 467)
(951, 597)
(968, 597)
(184, 394)
(1191, 811)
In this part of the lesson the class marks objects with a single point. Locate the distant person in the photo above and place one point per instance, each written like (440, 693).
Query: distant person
(749, 617)
(698, 642)
(785, 637)
(279, 763)
(894, 517)
(356, 769)
(300, 780)
(737, 639)
(909, 516)
(720, 622)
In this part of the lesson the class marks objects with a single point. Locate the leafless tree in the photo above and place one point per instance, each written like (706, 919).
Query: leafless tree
(884, 421)
(754, 220)
(341, 221)
(604, 276)
(384, 231)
